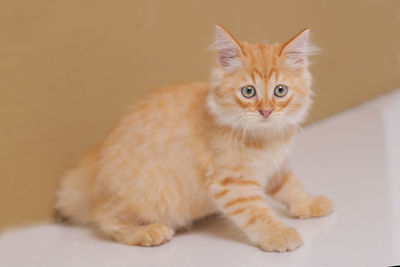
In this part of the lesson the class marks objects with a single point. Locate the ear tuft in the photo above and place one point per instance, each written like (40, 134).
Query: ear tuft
(297, 49)
(229, 51)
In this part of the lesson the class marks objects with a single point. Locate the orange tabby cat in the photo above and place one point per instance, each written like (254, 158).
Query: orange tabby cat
(191, 150)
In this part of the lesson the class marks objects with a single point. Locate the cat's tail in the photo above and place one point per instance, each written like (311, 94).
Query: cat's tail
(73, 197)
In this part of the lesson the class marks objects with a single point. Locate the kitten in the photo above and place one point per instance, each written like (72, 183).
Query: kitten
(191, 150)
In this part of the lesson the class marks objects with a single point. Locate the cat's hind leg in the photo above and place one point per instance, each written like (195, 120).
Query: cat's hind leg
(148, 235)
(128, 229)
(286, 188)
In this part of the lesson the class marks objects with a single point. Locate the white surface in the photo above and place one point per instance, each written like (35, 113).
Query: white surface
(354, 158)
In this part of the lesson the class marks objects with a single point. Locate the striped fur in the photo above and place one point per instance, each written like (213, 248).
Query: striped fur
(190, 150)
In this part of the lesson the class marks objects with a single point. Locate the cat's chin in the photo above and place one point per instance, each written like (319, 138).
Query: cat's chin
(274, 128)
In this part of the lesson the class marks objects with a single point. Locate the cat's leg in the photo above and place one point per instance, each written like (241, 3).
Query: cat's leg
(128, 229)
(286, 188)
(243, 201)
(153, 234)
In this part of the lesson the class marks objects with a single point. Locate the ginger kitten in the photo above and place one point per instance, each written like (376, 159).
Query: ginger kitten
(191, 150)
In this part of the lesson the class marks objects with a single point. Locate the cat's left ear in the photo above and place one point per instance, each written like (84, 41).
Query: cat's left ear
(229, 51)
(296, 50)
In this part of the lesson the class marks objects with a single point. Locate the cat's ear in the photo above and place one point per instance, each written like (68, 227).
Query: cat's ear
(296, 50)
(230, 54)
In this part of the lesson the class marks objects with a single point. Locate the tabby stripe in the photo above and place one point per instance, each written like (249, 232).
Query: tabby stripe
(251, 221)
(229, 180)
(221, 193)
(284, 104)
(236, 212)
(241, 200)
(285, 178)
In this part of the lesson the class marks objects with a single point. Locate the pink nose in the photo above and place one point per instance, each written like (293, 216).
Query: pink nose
(265, 112)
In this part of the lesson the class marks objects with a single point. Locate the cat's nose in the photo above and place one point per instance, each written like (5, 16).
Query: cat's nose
(265, 112)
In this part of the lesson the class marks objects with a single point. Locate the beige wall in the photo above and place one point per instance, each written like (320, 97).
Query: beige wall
(69, 68)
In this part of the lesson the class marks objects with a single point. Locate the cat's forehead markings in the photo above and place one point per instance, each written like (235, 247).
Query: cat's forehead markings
(260, 84)
(272, 80)
(253, 78)
(272, 72)
(262, 63)
(256, 72)
(250, 78)
(279, 77)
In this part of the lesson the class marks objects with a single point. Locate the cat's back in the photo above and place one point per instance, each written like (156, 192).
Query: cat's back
(169, 108)
(171, 100)
(165, 122)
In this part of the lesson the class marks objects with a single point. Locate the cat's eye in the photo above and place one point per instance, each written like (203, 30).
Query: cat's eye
(248, 91)
(280, 90)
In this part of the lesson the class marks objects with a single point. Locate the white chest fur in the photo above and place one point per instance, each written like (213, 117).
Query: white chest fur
(263, 163)
(250, 162)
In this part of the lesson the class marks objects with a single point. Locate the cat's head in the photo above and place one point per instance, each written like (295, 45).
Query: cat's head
(260, 87)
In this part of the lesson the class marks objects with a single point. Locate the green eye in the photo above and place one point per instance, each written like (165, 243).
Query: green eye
(248, 91)
(280, 90)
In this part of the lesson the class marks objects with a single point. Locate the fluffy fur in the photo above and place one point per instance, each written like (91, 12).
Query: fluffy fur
(190, 150)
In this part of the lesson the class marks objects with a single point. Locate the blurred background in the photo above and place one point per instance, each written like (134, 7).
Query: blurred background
(68, 70)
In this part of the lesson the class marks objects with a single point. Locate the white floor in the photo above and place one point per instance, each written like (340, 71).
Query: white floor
(354, 158)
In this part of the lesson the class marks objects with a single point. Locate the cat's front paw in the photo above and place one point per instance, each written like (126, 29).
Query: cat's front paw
(281, 240)
(314, 207)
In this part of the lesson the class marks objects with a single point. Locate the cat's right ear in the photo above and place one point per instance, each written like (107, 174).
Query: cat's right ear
(229, 51)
